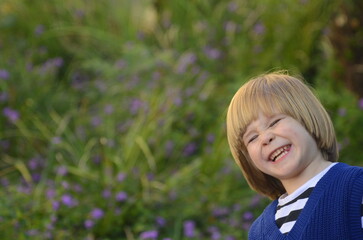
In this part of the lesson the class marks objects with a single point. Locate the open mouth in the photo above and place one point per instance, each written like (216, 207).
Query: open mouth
(279, 153)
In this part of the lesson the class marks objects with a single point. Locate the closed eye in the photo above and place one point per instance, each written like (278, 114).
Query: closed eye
(274, 122)
(251, 139)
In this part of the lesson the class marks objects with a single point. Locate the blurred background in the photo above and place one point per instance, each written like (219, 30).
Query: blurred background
(112, 113)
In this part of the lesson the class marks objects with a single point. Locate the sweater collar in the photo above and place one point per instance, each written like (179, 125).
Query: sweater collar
(272, 229)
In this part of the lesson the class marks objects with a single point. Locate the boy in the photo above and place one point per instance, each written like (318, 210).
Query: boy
(284, 141)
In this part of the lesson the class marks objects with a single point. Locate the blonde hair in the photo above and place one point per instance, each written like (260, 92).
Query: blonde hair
(276, 93)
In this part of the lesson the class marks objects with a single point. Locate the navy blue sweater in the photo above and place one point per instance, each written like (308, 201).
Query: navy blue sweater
(333, 211)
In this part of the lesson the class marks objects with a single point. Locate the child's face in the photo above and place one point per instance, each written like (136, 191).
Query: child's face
(281, 147)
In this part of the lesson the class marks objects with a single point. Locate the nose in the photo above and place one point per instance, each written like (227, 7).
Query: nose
(267, 138)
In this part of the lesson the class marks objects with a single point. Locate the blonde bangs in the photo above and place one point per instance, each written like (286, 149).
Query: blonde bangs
(250, 100)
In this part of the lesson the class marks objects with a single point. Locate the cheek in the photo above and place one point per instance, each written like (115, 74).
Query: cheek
(253, 153)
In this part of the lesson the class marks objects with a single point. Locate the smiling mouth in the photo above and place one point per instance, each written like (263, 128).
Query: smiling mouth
(279, 153)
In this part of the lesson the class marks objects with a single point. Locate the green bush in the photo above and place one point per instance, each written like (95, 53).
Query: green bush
(112, 118)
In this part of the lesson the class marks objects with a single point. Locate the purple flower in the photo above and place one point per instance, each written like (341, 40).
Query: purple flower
(156, 75)
(36, 177)
(62, 170)
(55, 205)
(11, 114)
(56, 140)
(68, 200)
(121, 196)
(189, 229)
(4, 74)
(169, 146)
(34, 163)
(160, 221)
(185, 60)
(32, 232)
(256, 199)
(248, 216)
(108, 109)
(210, 138)
(150, 176)
(106, 193)
(117, 211)
(173, 195)
(212, 53)
(230, 27)
(29, 67)
(89, 223)
(135, 106)
(190, 149)
(100, 85)
(237, 207)
(4, 96)
(257, 49)
(152, 234)
(65, 184)
(342, 112)
(57, 62)
(230, 238)
(360, 103)
(246, 226)
(97, 213)
(4, 182)
(4, 144)
(48, 235)
(79, 81)
(121, 177)
(39, 30)
(50, 193)
(96, 121)
(122, 127)
(79, 13)
(97, 159)
(259, 28)
(220, 212)
(24, 189)
(232, 6)
(52, 64)
(233, 222)
(121, 64)
(50, 226)
(214, 232)
(77, 188)
(53, 218)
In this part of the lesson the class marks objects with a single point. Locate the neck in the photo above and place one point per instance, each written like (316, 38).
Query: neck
(309, 172)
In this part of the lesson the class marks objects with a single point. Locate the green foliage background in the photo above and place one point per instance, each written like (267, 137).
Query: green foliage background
(113, 112)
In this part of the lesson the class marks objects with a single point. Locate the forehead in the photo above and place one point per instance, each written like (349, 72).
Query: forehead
(260, 109)
(260, 119)
(259, 122)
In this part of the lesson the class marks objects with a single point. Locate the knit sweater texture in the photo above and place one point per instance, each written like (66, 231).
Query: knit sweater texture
(333, 211)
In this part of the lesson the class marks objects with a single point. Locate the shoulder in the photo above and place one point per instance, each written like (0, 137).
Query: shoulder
(255, 229)
(347, 167)
(347, 172)
(349, 185)
(343, 178)
(263, 223)
(353, 175)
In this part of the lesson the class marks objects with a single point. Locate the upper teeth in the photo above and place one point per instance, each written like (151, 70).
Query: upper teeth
(279, 153)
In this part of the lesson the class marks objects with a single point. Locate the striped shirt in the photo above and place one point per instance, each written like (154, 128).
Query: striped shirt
(290, 206)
